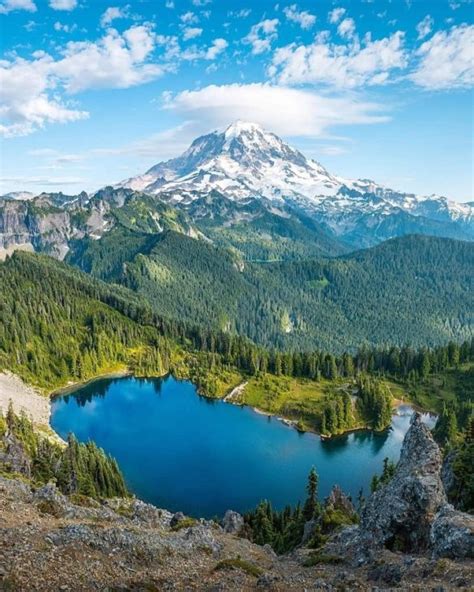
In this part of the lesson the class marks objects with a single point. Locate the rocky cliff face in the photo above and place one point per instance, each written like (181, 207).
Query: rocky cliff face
(399, 515)
(49, 223)
(38, 224)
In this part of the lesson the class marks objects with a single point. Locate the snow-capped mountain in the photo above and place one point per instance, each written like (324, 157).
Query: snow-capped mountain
(246, 162)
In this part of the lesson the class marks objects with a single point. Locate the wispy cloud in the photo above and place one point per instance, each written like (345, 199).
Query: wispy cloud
(302, 17)
(445, 60)
(63, 4)
(7, 6)
(261, 35)
(425, 27)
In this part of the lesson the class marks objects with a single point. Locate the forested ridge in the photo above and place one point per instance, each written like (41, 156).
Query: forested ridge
(417, 290)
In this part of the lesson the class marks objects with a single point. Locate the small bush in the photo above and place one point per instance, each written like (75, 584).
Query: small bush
(185, 523)
(246, 566)
(49, 507)
(82, 500)
(320, 558)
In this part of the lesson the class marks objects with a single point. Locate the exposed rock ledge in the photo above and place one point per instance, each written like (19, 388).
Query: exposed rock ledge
(410, 514)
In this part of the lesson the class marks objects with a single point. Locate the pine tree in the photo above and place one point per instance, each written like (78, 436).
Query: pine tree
(311, 506)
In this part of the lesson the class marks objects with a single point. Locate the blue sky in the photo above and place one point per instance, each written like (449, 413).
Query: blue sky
(92, 92)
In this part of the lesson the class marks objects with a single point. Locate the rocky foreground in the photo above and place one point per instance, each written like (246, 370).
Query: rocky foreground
(409, 538)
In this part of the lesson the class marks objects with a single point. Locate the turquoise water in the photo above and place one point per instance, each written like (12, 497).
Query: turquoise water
(184, 452)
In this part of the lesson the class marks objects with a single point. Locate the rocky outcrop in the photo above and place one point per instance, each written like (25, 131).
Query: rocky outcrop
(452, 534)
(13, 456)
(399, 515)
(409, 514)
(447, 473)
(338, 500)
(232, 522)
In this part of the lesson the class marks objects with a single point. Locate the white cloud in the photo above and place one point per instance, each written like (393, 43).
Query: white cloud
(303, 17)
(9, 5)
(112, 13)
(336, 15)
(191, 33)
(115, 61)
(202, 53)
(261, 35)
(346, 28)
(31, 90)
(26, 102)
(285, 111)
(425, 27)
(63, 4)
(446, 60)
(42, 181)
(242, 13)
(217, 47)
(200, 2)
(343, 66)
(66, 28)
(169, 4)
(189, 18)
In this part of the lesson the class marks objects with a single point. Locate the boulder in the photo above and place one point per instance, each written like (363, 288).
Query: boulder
(177, 518)
(447, 473)
(14, 456)
(452, 534)
(232, 522)
(308, 531)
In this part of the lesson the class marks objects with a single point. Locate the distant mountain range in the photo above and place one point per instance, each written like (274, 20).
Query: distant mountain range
(246, 189)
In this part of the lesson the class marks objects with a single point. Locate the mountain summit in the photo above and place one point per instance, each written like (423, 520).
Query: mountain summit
(243, 161)
(246, 162)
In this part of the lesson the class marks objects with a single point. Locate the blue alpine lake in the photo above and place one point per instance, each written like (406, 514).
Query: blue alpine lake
(185, 452)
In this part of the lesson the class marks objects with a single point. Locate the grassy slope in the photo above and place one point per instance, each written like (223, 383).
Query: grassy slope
(301, 400)
(453, 385)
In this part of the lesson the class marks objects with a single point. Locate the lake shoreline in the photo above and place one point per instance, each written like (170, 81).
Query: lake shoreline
(228, 398)
(71, 387)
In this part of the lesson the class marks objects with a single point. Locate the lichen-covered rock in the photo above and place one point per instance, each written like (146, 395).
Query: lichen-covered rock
(447, 473)
(308, 531)
(452, 534)
(177, 518)
(232, 522)
(399, 515)
(14, 457)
